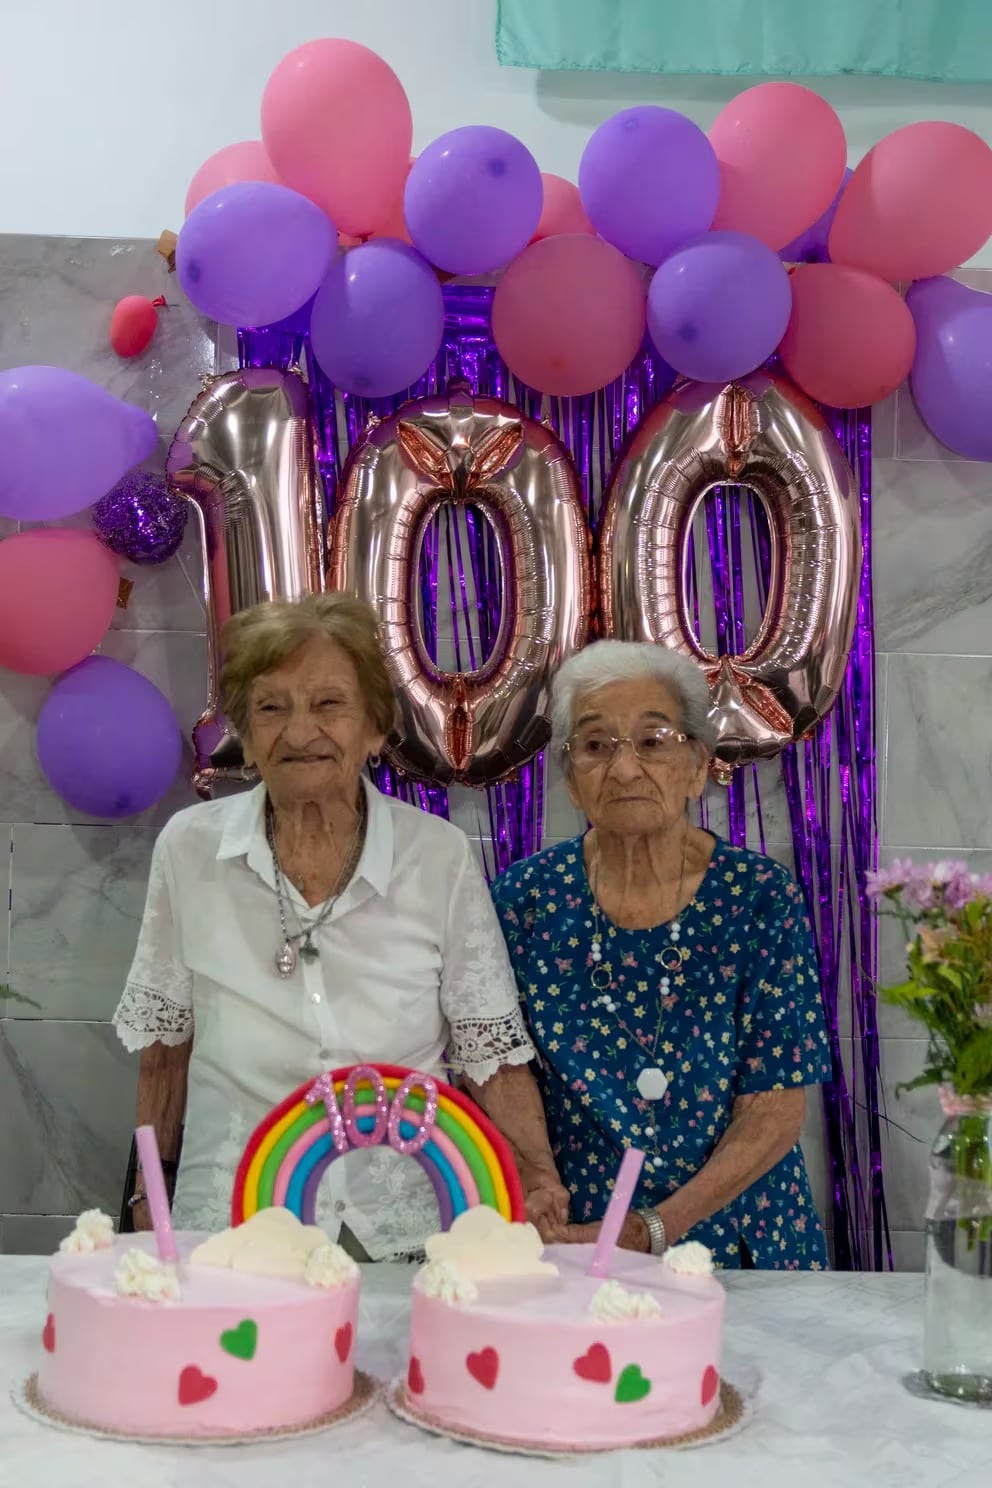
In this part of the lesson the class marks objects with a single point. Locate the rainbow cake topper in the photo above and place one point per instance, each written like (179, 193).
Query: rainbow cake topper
(375, 1105)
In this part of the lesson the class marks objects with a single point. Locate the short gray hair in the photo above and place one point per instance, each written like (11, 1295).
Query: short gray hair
(619, 661)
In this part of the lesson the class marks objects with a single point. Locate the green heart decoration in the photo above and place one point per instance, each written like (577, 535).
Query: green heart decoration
(241, 1341)
(631, 1385)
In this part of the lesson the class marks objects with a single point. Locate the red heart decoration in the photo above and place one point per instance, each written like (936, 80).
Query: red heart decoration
(595, 1364)
(415, 1377)
(195, 1386)
(711, 1383)
(484, 1367)
(342, 1341)
(48, 1335)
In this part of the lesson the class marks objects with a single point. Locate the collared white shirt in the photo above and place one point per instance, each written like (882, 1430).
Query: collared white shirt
(412, 970)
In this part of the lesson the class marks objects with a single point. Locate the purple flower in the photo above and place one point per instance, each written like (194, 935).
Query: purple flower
(893, 877)
(959, 885)
(918, 891)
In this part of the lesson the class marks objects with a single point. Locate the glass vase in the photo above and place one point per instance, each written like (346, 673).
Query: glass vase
(957, 1350)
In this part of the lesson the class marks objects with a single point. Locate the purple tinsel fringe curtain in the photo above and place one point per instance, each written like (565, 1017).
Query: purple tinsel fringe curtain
(829, 782)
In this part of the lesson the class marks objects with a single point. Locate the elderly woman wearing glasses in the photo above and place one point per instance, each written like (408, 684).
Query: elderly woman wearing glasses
(669, 981)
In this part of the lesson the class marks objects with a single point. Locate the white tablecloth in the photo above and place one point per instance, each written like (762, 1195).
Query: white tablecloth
(822, 1355)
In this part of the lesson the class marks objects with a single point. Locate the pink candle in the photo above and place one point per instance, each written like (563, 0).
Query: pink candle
(158, 1199)
(616, 1213)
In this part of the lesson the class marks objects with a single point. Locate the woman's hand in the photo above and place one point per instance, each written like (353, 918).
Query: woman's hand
(511, 1100)
(545, 1197)
(633, 1236)
(141, 1215)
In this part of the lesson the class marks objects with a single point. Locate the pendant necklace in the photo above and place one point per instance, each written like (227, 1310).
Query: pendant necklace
(652, 1082)
(287, 958)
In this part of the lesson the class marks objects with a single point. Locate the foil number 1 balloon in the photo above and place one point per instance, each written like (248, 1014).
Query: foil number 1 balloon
(243, 455)
(473, 727)
(766, 435)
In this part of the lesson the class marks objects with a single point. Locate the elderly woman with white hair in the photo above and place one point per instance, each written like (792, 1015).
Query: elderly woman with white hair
(669, 980)
(313, 923)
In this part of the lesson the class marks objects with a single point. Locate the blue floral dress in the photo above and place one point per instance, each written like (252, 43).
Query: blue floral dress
(743, 1014)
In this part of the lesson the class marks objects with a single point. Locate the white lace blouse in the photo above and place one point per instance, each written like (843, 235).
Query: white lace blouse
(412, 971)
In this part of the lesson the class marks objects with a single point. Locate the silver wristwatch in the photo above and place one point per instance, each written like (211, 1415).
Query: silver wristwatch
(656, 1231)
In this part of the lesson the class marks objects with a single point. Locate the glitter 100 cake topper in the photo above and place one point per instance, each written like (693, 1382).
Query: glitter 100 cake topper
(465, 1158)
(346, 1123)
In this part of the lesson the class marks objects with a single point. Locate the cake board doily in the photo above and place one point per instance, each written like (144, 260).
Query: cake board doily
(366, 1393)
(734, 1414)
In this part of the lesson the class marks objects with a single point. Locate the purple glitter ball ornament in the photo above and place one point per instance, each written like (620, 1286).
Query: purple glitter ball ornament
(141, 518)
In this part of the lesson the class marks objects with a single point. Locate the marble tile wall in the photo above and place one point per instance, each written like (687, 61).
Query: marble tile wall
(76, 886)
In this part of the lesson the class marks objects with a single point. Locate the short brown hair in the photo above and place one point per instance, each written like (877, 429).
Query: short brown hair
(258, 640)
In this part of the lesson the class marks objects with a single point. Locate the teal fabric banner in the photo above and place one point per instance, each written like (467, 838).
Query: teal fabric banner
(932, 40)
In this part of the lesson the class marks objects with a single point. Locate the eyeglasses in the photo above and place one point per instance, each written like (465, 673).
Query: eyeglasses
(591, 748)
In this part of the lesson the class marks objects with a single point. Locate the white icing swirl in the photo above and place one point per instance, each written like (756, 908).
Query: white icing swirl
(140, 1274)
(94, 1231)
(329, 1266)
(615, 1304)
(443, 1279)
(690, 1259)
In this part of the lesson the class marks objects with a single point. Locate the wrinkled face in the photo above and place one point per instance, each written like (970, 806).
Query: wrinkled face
(620, 790)
(309, 728)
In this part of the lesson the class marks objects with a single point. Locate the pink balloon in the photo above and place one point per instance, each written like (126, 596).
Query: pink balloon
(919, 204)
(337, 127)
(569, 315)
(58, 589)
(133, 324)
(782, 156)
(563, 211)
(850, 340)
(395, 224)
(245, 161)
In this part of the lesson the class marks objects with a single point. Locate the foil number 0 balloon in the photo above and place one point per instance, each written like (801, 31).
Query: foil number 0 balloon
(766, 435)
(472, 727)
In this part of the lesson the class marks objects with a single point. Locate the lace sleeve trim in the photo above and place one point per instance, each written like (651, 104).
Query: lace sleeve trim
(480, 1047)
(144, 1016)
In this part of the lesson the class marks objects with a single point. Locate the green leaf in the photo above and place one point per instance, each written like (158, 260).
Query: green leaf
(973, 1065)
(904, 992)
(928, 1077)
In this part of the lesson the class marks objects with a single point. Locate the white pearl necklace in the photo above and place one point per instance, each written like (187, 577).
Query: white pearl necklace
(652, 1082)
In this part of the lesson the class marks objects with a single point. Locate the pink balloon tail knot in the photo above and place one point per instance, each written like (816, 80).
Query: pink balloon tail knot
(160, 302)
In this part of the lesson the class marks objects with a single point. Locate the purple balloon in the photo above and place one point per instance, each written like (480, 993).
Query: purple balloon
(719, 306)
(811, 245)
(649, 181)
(378, 319)
(297, 324)
(64, 442)
(108, 741)
(253, 253)
(141, 518)
(951, 378)
(473, 199)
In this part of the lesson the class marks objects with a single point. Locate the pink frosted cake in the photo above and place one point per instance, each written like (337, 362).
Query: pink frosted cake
(517, 1344)
(253, 1332)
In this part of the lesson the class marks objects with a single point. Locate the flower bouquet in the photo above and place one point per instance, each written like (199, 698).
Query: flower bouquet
(946, 912)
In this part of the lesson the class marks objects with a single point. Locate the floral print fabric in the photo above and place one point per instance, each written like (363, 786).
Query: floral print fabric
(741, 1015)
